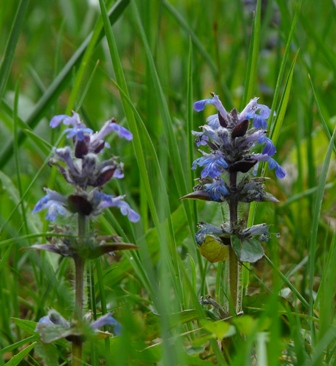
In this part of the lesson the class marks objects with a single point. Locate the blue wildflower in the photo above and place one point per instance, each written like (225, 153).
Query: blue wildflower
(259, 119)
(53, 320)
(78, 127)
(213, 121)
(272, 164)
(200, 105)
(107, 319)
(213, 163)
(54, 202)
(97, 139)
(201, 139)
(216, 190)
(269, 148)
(102, 200)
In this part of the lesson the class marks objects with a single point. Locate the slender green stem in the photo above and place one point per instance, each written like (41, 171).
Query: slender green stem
(77, 346)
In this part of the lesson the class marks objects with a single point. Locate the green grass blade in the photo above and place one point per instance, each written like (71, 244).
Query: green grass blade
(174, 155)
(251, 71)
(276, 128)
(11, 45)
(288, 283)
(284, 63)
(326, 126)
(315, 225)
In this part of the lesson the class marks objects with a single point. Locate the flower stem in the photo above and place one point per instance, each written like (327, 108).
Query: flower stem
(77, 346)
(235, 267)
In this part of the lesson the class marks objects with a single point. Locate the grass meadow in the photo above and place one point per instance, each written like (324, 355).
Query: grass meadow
(145, 63)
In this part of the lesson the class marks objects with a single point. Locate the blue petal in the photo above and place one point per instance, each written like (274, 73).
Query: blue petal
(280, 172)
(57, 120)
(107, 320)
(216, 190)
(213, 121)
(126, 210)
(122, 132)
(269, 148)
(259, 122)
(40, 205)
(78, 132)
(54, 210)
(46, 320)
(199, 106)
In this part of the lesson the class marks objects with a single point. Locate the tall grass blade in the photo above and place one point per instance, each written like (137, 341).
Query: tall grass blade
(313, 245)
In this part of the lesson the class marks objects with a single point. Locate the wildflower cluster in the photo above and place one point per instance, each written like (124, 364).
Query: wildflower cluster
(81, 167)
(231, 138)
(61, 328)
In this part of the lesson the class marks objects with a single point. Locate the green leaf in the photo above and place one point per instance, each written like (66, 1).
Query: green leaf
(48, 352)
(218, 329)
(20, 356)
(247, 250)
(26, 325)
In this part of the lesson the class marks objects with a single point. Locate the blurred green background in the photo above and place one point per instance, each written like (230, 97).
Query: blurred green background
(171, 53)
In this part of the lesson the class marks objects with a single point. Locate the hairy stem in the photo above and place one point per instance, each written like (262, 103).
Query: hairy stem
(77, 346)
(235, 267)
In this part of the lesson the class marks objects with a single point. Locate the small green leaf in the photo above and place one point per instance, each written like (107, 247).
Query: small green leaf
(51, 333)
(219, 329)
(247, 250)
(245, 324)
